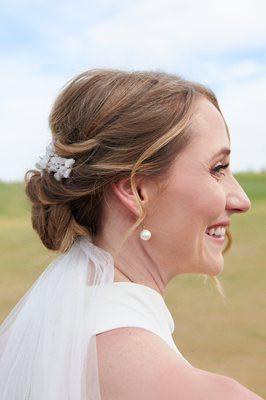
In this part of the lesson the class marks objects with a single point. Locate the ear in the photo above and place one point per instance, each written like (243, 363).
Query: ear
(122, 189)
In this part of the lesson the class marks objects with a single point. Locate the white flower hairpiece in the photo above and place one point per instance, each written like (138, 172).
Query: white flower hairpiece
(54, 163)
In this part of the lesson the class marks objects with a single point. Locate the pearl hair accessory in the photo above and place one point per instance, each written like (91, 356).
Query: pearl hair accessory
(54, 163)
(145, 234)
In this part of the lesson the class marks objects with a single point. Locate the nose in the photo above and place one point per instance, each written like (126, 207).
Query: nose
(237, 199)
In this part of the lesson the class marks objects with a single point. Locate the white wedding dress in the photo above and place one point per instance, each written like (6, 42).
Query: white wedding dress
(129, 304)
(48, 347)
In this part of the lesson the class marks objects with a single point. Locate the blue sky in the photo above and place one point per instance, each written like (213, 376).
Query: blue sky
(45, 43)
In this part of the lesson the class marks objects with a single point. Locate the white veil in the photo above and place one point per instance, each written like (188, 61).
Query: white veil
(47, 342)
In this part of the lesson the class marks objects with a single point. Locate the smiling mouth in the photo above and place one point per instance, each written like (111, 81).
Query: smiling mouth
(217, 239)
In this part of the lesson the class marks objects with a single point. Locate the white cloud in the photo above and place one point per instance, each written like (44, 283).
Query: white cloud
(144, 31)
(243, 106)
(25, 105)
(147, 33)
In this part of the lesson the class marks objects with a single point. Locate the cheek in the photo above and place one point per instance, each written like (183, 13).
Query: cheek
(200, 200)
(180, 218)
(209, 201)
(185, 208)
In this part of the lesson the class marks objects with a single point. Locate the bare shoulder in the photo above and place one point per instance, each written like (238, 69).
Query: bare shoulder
(135, 363)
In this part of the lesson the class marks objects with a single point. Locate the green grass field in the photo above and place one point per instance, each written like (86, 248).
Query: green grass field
(223, 338)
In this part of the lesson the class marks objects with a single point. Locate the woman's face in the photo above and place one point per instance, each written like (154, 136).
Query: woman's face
(196, 197)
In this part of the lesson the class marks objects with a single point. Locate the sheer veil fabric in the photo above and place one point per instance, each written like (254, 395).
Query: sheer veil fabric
(47, 342)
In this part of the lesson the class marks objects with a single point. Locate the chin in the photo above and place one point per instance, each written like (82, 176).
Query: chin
(212, 266)
(215, 268)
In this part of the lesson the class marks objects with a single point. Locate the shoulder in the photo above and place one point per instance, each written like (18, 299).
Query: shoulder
(135, 363)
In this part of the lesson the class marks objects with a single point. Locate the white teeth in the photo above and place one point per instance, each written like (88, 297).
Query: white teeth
(219, 231)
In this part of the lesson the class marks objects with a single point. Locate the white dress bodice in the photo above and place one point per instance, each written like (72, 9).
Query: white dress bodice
(129, 304)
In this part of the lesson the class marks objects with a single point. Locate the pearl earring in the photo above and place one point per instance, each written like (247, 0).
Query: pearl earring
(145, 234)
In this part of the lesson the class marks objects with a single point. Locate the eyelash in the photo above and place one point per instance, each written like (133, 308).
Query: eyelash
(217, 169)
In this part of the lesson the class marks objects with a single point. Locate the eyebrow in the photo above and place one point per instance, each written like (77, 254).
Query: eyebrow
(224, 150)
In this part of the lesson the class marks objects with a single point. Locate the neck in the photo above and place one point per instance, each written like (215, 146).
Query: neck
(135, 262)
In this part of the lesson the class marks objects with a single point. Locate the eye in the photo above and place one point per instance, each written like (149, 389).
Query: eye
(216, 170)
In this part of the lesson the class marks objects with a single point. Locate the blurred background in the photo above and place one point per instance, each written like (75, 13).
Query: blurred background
(43, 44)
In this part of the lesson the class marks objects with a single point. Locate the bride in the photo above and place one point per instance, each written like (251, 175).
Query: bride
(135, 188)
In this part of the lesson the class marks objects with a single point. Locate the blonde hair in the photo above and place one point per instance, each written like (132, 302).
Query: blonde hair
(115, 124)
